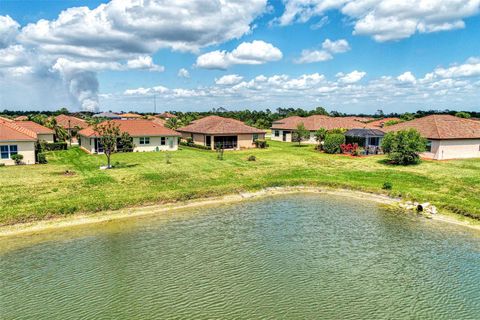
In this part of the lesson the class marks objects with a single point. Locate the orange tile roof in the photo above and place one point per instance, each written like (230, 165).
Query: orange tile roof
(9, 131)
(379, 123)
(439, 127)
(219, 125)
(167, 115)
(35, 127)
(63, 121)
(135, 128)
(131, 115)
(316, 122)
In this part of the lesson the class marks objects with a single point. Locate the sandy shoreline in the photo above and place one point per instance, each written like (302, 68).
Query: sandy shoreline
(105, 216)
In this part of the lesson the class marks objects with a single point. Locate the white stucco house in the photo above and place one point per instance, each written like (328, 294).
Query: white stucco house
(147, 136)
(449, 137)
(16, 140)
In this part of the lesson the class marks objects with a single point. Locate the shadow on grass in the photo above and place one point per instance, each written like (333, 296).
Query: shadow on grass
(121, 165)
(390, 163)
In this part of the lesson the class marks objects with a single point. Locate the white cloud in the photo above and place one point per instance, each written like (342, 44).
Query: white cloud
(469, 69)
(351, 77)
(117, 35)
(8, 30)
(338, 46)
(230, 79)
(183, 73)
(144, 63)
(407, 77)
(255, 52)
(387, 20)
(329, 48)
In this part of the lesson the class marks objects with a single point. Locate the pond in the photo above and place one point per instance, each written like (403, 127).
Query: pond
(291, 256)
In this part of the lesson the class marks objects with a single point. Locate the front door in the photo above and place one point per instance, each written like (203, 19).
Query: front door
(284, 136)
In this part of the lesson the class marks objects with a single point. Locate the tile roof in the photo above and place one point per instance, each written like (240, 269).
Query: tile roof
(219, 125)
(9, 131)
(35, 127)
(131, 115)
(136, 128)
(62, 120)
(167, 115)
(316, 122)
(379, 123)
(441, 127)
(21, 118)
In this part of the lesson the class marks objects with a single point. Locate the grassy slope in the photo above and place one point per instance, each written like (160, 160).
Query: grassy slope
(36, 192)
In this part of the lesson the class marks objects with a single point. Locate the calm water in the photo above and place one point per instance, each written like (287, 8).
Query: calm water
(297, 256)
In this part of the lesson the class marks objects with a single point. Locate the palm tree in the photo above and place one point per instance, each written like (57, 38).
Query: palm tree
(60, 133)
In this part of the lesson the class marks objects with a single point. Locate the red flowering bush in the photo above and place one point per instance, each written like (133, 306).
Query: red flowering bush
(350, 148)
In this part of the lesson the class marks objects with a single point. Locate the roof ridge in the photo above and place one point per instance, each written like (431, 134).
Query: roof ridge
(436, 125)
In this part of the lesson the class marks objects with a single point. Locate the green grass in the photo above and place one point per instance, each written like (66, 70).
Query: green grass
(41, 191)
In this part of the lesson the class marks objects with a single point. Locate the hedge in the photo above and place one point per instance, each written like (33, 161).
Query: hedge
(55, 146)
(332, 142)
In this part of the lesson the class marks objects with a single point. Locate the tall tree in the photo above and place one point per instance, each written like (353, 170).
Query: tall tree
(109, 133)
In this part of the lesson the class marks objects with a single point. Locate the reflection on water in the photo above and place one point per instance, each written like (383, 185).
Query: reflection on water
(295, 256)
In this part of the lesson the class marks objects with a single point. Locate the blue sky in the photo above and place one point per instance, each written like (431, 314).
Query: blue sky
(349, 56)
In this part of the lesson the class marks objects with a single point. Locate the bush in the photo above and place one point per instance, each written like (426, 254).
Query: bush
(350, 148)
(332, 143)
(193, 145)
(387, 185)
(17, 158)
(261, 144)
(41, 158)
(55, 146)
(252, 158)
(2, 164)
(403, 147)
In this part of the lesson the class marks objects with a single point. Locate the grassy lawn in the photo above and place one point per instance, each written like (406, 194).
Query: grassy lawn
(41, 191)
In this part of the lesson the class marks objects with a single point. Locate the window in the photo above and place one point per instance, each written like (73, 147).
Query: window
(277, 133)
(6, 152)
(144, 140)
(162, 141)
(429, 146)
(255, 137)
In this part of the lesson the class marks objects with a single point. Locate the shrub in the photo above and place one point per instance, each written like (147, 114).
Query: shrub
(350, 148)
(55, 146)
(2, 164)
(337, 130)
(261, 144)
(387, 185)
(41, 158)
(17, 158)
(463, 114)
(252, 158)
(332, 143)
(403, 147)
(193, 145)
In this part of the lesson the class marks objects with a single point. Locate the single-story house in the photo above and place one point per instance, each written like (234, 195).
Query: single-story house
(166, 115)
(449, 137)
(130, 116)
(147, 136)
(214, 130)
(16, 140)
(107, 115)
(42, 133)
(282, 129)
(71, 124)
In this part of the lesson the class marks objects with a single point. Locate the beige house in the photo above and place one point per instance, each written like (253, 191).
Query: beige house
(16, 140)
(449, 137)
(43, 133)
(282, 129)
(147, 136)
(229, 133)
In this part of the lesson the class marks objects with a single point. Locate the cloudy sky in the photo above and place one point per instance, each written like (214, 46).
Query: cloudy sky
(347, 55)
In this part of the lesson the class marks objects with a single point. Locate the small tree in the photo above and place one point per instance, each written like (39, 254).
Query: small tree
(300, 134)
(320, 136)
(463, 114)
(173, 123)
(17, 158)
(109, 132)
(125, 143)
(403, 147)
